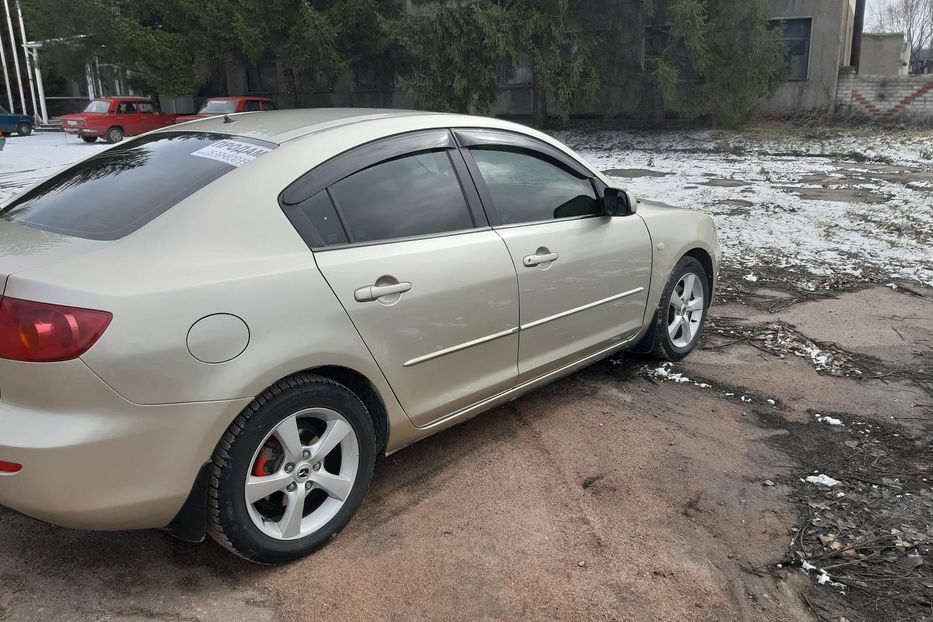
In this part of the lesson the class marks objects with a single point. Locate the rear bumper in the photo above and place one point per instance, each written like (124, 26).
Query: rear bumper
(82, 131)
(92, 460)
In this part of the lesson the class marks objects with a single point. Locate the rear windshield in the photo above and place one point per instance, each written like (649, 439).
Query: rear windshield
(219, 105)
(117, 191)
(98, 105)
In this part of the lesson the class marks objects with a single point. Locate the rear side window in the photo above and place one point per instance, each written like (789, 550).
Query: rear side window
(251, 105)
(114, 193)
(409, 196)
(527, 188)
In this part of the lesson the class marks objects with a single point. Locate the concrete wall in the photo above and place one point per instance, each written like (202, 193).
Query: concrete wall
(885, 54)
(830, 47)
(884, 97)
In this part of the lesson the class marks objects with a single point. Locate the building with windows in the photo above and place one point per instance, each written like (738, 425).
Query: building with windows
(818, 35)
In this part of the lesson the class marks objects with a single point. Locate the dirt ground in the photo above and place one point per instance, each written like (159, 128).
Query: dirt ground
(618, 493)
(633, 490)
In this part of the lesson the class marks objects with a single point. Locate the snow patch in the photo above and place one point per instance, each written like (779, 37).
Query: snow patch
(822, 480)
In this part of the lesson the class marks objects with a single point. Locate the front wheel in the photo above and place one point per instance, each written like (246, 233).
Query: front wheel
(681, 315)
(24, 129)
(291, 471)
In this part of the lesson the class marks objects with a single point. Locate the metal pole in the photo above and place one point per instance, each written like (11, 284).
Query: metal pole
(22, 34)
(44, 113)
(6, 75)
(19, 76)
(857, 30)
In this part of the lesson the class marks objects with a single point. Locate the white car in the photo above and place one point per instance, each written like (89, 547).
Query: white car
(216, 327)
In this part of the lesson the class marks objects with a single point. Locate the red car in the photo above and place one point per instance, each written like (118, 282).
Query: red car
(112, 118)
(228, 105)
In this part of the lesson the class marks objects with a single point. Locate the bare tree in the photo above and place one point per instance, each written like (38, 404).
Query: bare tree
(913, 18)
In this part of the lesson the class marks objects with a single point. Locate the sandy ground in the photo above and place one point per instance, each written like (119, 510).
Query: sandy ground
(619, 493)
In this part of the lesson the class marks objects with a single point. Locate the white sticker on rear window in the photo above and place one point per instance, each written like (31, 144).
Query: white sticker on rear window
(232, 152)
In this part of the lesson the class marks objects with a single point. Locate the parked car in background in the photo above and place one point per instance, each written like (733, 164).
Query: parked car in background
(22, 124)
(113, 118)
(228, 105)
(341, 284)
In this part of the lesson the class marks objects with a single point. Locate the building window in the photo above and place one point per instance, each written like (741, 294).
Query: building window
(796, 36)
(517, 72)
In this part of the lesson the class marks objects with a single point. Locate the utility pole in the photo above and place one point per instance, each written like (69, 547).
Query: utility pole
(6, 75)
(22, 33)
(19, 76)
(857, 30)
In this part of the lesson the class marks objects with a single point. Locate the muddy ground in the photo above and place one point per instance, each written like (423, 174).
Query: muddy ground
(618, 493)
(630, 490)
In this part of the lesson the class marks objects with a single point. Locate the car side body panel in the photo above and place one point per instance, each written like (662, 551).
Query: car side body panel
(674, 233)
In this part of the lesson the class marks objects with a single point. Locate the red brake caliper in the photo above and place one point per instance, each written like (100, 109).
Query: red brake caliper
(268, 457)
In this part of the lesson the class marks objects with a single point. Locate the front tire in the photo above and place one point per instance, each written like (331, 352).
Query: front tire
(89, 139)
(114, 135)
(291, 470)
(681, 314)
(24, 129)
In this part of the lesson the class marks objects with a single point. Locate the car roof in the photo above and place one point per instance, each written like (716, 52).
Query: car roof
(122, 99)
(279, 126)
(237, 97)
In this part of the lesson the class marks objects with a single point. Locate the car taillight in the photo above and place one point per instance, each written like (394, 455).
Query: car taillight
(40, 332)
(10, 467)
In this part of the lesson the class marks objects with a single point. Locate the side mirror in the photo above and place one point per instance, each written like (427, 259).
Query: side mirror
(618, 202)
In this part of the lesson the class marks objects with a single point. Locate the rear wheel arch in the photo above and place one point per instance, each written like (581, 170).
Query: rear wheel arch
(366, 391)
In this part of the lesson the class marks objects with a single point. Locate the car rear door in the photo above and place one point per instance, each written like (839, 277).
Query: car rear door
(149, 119)
(583, 276)
(398, 232)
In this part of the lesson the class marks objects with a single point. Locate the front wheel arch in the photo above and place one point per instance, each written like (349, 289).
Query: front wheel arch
(707, 262)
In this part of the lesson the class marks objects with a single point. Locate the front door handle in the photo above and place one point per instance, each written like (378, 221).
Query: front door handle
(374, 292)
(530, 261)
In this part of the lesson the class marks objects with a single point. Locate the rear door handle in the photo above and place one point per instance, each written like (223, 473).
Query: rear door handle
(530, 261)
(374, 292)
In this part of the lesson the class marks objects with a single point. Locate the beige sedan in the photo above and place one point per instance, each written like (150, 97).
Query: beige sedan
(216, 327)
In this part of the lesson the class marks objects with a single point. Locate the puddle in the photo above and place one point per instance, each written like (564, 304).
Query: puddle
(631, 173)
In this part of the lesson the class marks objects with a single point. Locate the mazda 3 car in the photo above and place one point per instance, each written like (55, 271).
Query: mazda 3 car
(216, 328)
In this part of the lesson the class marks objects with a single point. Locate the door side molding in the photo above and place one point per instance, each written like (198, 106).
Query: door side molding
(585, 307)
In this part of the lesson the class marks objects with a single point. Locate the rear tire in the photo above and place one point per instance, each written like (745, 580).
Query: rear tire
(89, 139)
(681, 314)
(114, 135)
(272, 501)
(24, 129)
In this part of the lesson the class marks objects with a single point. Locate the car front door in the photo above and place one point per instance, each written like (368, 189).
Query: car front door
(583, 276)
(128, 118)
(398, 232)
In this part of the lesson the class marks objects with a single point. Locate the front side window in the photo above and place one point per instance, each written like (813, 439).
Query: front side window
(796, 36)
(527, 188)
(115, 192)
(127, 108)
(98, 105)
(218, 106)
(413, 195)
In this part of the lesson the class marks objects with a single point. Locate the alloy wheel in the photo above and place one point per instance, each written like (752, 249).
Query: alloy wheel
(302, 473)
(685, 311)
